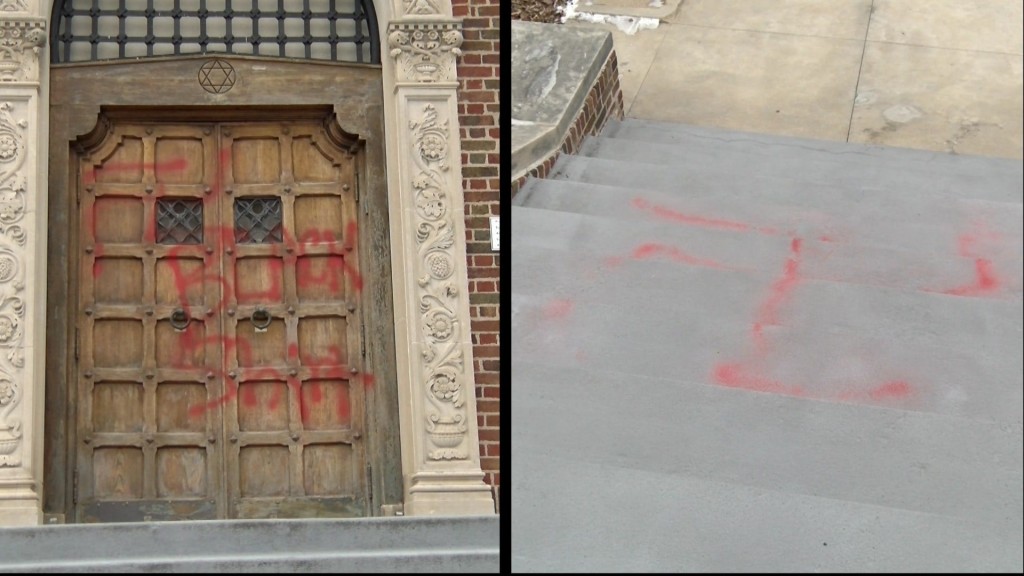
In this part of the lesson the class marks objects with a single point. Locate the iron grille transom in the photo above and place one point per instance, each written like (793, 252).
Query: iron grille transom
(258, 220)
(179, 221)
(337, 30)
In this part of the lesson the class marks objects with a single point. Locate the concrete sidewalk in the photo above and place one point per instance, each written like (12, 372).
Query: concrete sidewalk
(942, 75)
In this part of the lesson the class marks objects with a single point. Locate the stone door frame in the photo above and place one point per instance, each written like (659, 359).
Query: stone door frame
(437, 406)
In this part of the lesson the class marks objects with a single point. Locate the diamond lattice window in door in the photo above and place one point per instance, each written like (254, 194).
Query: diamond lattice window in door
(257, 220)
(179, 221)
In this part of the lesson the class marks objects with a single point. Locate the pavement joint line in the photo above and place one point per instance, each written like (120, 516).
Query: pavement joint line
(647, 72)
(951, 49)
(775, 32)
(860, 68)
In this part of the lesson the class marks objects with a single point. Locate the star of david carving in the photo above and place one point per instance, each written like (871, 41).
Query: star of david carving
(216, 76)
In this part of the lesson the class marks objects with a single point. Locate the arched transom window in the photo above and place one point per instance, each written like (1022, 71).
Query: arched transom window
(338, 30)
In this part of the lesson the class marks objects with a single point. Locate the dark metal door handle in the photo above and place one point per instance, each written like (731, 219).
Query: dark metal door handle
(261, 319)
(179, 319)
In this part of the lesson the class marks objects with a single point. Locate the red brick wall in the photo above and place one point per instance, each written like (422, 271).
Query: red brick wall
(479, 78)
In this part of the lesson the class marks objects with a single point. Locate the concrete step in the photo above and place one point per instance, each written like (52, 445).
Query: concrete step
(826, 214)
(819, 340)
(896, 264)
(972, 325)
(717, 480)
(781, 154)
(1001, 181)
(886, 457)
(466, 544)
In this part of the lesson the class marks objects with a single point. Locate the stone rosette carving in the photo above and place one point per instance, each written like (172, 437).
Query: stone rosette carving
(438, 295)
(12, 282)
(425, 52)
(20, 41)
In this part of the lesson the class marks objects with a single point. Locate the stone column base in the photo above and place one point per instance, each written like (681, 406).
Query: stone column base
(447, 494)
(19, 504)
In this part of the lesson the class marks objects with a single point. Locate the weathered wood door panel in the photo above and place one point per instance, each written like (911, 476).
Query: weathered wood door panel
(220, 331)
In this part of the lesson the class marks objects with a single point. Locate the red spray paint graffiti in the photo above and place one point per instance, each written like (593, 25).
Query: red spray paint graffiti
(744, 374)
(289, 253)
(702, 221)
(740, 375)
(650, 250)
(985, 280)
(780, 291)
(558, 309)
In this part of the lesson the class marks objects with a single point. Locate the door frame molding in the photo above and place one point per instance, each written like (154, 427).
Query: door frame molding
(433, 351)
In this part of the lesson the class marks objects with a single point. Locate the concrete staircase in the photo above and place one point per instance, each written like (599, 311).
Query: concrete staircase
(741, 352)
(422, 544)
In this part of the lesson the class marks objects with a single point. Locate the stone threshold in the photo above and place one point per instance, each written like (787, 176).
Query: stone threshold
(400, 544)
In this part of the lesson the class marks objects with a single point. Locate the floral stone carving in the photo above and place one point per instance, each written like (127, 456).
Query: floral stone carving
(10, 427)
(12, 181)
(438, 295)
(12, 304)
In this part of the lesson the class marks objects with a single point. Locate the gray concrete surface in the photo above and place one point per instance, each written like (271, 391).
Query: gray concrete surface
(437, 544)
(553, 70)
(740, 352)
(940, 75)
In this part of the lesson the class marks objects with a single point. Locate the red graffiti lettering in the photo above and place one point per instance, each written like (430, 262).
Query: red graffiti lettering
(267, 286)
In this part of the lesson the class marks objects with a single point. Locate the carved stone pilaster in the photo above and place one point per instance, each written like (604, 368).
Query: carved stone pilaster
(20, 41)
(440, 445)
(22, 260)
(439, 291)
(12, 280)
(440, 442)
(425, 51)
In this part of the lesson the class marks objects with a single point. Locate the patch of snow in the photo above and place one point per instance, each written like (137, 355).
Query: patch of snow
(627, 24)
(544, 82)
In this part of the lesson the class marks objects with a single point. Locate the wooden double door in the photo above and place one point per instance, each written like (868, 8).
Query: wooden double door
(219, 340)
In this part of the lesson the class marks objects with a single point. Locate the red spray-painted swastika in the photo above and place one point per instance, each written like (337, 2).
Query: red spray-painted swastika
(987, 254)
(746, 373)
